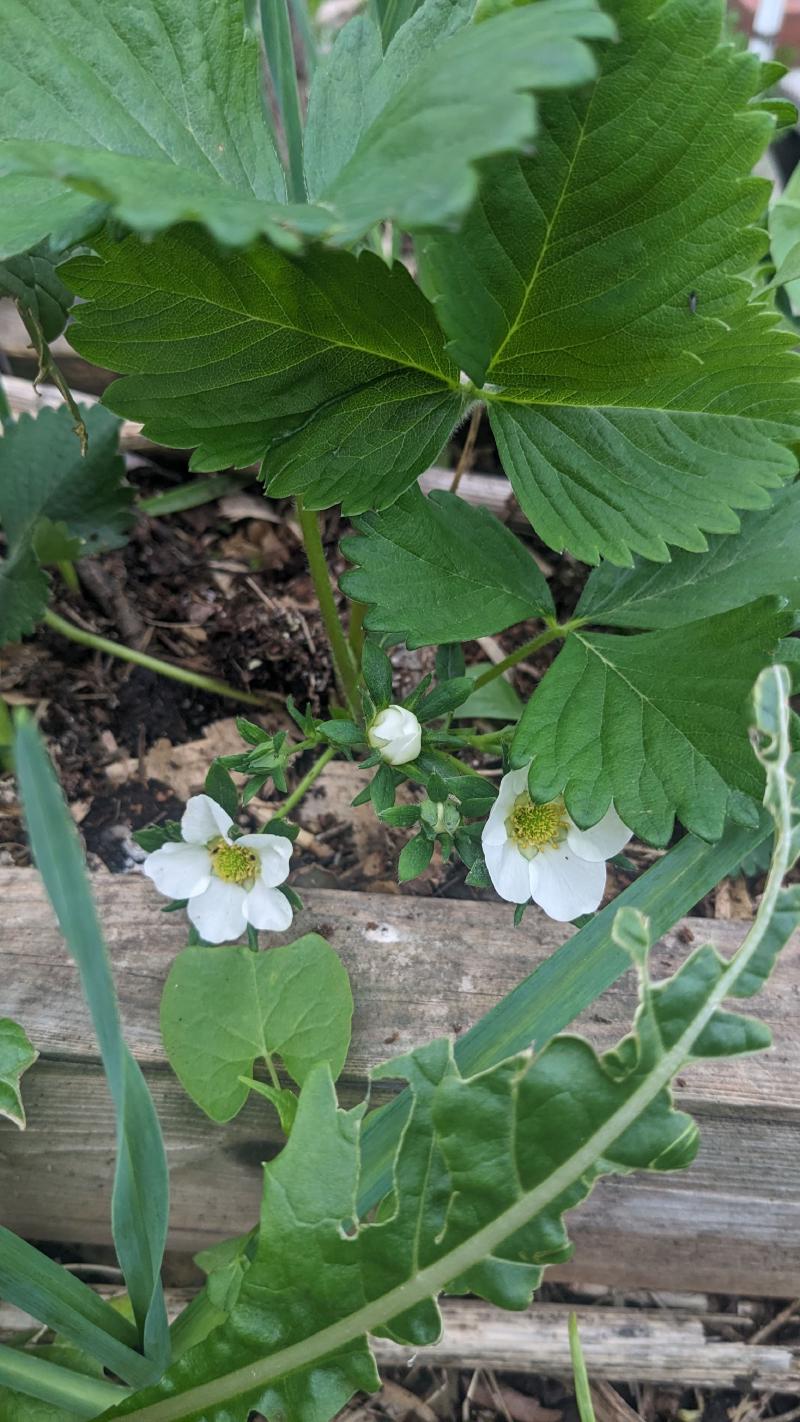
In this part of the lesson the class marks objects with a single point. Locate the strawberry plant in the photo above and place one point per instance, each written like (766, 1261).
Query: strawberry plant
(541, 215)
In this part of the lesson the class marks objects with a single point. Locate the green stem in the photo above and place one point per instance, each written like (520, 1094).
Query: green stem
(342, 654)
(5, 408)
(549, 635)
(76, 1393)
(486, 739)
(67, 571)
(276, 27)
(189, 496)
(303, 785)
(273, 1075)
(305, 29)
(153, 664)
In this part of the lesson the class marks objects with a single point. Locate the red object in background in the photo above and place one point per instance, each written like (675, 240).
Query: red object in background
(790, 29)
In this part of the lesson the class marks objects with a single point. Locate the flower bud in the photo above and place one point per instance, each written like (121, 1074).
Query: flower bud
(396, 734)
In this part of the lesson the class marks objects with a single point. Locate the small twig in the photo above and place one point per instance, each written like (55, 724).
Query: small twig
(772, 1326)
(468, 448)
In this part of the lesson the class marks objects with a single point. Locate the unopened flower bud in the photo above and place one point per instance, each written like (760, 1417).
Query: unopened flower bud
(396, 734)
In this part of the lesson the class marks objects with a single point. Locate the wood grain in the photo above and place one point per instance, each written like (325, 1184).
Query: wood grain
(666, 1346)
(420, 968)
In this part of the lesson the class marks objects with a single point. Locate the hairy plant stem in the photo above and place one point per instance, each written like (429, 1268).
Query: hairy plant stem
(307, 781)
(153, 664)
(343, 659)
(550, 634)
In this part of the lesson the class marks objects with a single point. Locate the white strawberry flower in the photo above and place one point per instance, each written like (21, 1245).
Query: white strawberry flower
(536, 851)
(397, 734)
(229, 883)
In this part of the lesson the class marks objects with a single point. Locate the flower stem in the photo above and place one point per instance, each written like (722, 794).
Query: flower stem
(550, 634)
(343, 658)
(307, 781)
(154, 664)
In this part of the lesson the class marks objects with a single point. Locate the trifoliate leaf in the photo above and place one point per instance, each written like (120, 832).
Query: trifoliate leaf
(154, 110)
(223, 1008)
(50, 496)
(16, 1054)
(32, 281)
(439, 570)
(637, 392)
(738, 568)
(333, 365)
(658, 722)
(403, 133)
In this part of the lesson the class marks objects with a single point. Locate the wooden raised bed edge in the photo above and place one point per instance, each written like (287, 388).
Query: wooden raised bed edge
(420, 968)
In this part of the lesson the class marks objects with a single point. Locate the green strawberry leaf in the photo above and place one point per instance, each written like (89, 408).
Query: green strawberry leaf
(658, 722)
(638, 391)
(16, 1054)
(153, 110)
(56, 503)
(33, 282)
(763, 558)
(331, 365)
(398, 136)
(223, 1008)
(437, 569)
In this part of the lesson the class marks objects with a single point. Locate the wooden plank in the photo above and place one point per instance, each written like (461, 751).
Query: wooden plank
(420, 968)
(633, 1345)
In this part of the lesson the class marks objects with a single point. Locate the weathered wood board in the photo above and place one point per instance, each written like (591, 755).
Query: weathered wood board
(658, 1345)
(420, 968)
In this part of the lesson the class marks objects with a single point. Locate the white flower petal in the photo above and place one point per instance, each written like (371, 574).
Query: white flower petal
(268, 908)
(179, 870)
(274, 852)
(219, 915)
(566, 886)
(509, 871)
(397, 734)
(602, 840)
(203, 820)
(511, 785)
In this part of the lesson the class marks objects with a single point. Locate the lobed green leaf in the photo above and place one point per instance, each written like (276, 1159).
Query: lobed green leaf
(17, 1053)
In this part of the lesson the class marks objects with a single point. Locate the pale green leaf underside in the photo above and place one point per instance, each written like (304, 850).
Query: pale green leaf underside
(763, 558)
(656, 723)
(90, 87)
(224, 1008)
(332, 364)
(438, 570)
(484, 1173)
(630, 414)
(155, 113)
(55, 503)
(16, 1054)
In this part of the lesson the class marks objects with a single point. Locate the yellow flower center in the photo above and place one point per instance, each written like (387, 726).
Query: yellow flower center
(233, 862)
(533, 827)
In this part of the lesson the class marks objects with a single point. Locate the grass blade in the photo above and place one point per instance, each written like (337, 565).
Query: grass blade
(140, 1197)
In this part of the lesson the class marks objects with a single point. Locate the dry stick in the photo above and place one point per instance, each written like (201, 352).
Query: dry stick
(469, 445)
(772, 1326)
